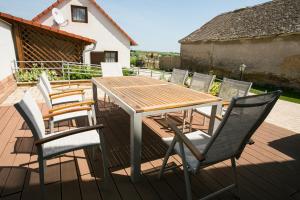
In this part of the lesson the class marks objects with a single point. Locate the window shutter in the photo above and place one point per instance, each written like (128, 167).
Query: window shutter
(97, 57)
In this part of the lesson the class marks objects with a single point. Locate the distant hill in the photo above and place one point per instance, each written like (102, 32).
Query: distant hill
(139, 53)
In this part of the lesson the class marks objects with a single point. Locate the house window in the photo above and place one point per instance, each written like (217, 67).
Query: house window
(79, 14)
(97, 57)
(111, 56)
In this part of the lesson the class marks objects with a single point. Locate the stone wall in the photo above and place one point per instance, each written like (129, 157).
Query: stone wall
(274, 61)
(169, 62)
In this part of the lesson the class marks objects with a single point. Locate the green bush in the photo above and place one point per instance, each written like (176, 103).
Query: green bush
(128, 72)
(133, 60)
(81, 72)
(215, 88)
(25, 75)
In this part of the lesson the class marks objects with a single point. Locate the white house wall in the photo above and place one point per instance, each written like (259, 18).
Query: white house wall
(7, 50)
(99, 28)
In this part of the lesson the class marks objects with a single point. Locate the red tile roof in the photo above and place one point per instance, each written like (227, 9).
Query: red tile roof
(10, 18)
(47, 10)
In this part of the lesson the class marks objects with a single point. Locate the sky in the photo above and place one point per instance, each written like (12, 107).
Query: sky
(156, 25)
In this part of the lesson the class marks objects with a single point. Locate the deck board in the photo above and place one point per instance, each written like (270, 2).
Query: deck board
(267, 170)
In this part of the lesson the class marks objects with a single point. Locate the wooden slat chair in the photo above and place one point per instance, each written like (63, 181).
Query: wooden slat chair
(202, 82)
(45, 80)
(199, 150)
(68, 111)
(229, 88)
(179, 76)
(49, 146)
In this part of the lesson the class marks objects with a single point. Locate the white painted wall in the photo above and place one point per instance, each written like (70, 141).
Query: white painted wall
(99, 28)
(7, 50)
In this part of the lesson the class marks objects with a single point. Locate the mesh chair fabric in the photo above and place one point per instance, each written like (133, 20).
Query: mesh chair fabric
(178, 76)
(201, 82)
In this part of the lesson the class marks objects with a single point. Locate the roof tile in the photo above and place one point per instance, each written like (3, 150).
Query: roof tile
(9, 18)
(264, 20)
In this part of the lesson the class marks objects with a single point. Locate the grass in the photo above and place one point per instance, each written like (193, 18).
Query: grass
(287, 95)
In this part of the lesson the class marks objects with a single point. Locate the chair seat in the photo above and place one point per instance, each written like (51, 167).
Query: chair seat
(67, 99)
(77, 141)
(206, 110)
(199, 140)
(69, 116)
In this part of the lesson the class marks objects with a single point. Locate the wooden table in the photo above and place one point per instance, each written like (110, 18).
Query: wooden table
(141, 96)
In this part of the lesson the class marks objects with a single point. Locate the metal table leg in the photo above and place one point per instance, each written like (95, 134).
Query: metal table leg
(135, 145)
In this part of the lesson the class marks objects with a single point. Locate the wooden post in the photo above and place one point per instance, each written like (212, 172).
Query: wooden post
(18, 44)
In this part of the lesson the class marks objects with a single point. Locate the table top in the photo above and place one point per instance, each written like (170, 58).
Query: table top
(144, 94)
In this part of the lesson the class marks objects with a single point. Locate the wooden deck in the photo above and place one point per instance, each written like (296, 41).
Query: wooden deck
(269, 169)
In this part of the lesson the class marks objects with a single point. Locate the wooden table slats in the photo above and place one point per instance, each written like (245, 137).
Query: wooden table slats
(144, 94)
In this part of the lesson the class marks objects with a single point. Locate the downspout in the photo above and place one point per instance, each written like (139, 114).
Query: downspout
(86, 50)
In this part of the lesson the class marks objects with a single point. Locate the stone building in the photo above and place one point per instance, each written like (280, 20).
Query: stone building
(265, 37)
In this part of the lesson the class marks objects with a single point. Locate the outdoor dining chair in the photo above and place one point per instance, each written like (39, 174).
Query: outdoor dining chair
(229, 88)
(179, 76)
(49, 146)
(68, 111)
(202, 82)
(199, 150)
(111, 70)
(45, 79)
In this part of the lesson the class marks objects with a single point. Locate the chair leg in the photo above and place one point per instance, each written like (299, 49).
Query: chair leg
(184, 120)
(94, 114)
(42, 166)
(170, 149)
(90, 119)
(186, 172)
(104, 100)
(104, 155)
(233, 164)
(51, 124)
(191, 120)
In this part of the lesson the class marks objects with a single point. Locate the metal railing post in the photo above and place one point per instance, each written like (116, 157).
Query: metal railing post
(63, 70)
(69, 75)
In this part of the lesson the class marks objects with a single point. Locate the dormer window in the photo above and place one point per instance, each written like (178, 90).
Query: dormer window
(79, 14)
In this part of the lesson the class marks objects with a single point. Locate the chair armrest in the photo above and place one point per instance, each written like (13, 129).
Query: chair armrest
(64, 85)
(68, 133)
(71, 105)
(225, 103)
(250, 142)
(66, 94)
(187, 142)
(66, 91)
(61, 112)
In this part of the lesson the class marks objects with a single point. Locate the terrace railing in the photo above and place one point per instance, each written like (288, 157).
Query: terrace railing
(29, 71)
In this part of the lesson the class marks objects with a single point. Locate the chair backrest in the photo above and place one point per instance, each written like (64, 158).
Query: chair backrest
(111, 70)
(232, 88)
(32, 115)
(244, 116)
(178, 76)
(202, 82)
(44, 79)
(45, 93)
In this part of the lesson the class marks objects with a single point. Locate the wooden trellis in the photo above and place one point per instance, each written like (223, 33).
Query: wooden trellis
(35, 44)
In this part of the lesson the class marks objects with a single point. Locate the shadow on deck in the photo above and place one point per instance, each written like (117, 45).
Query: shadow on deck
(267, 170)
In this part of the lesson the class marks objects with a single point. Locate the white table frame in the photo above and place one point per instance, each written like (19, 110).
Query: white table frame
(136, 120)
